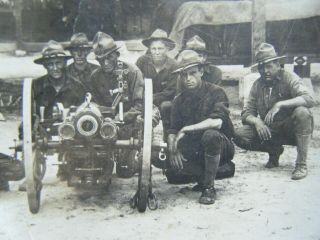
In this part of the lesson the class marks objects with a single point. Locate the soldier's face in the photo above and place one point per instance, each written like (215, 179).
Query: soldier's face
(191, 77)
(158, 50)
(269, 71)
(109, 63)
(55, 67)
(80, 55)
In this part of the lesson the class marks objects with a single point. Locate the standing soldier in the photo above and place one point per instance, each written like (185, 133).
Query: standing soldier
(277, 113)
(156, 64)
(200, 133)
(80, 69)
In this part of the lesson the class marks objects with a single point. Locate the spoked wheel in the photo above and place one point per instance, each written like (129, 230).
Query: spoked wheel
(33, 157)
(144, 181)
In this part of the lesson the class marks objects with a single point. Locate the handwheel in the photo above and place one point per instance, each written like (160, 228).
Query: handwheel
(144, 180)
(33, 158)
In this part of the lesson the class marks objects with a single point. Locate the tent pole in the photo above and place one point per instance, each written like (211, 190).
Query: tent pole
(258, 26)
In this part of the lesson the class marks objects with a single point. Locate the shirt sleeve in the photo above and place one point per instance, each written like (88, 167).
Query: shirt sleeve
(137, 88)
(250, 107)
(168, 93)
(175, 119)
(220, 107)
(298, 89)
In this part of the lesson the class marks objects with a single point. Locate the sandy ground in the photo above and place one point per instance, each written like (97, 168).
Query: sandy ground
(255, 204)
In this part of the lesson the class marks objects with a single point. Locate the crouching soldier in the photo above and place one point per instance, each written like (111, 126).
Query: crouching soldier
(200, 131)
(277, 113)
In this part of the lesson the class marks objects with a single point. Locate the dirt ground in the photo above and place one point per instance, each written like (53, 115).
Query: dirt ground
(255, 204)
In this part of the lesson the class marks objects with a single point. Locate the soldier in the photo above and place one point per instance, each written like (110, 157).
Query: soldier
(211, 73)
(200, 131)
(80, 69)
(277, 113)
(54, 87)
(155, 64)
(105, 79)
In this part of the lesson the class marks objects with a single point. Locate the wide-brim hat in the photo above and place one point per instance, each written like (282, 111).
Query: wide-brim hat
(79, 40)
(266, 53)
(159, 34)
(197, 44)
(52, 49)
(103, 44)
(188, 59)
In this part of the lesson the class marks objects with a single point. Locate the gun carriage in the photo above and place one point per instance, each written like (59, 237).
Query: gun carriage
(86, 141)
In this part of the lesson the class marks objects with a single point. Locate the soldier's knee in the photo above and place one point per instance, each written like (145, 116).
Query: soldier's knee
(302, 114)
(211, 141)
(243, 136)
(302, 120)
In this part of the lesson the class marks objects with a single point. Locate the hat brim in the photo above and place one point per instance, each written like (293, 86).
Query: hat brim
(190, 65)
(70, 47)
(148, 41)
(41, 60)
(106, 53)
(267, 60)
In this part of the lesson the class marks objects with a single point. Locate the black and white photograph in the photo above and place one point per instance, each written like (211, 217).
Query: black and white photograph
(159, 119)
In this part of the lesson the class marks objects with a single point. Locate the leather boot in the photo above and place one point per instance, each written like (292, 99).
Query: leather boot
(300, 170)
(211, 168)
(274, 158)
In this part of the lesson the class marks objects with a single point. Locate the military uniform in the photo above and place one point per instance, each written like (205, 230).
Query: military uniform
(82, 76)
(209, 101)
(102, 83)
(287, 122)
(164, 82)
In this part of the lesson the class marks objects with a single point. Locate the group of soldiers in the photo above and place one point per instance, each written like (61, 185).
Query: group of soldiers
(194, 109)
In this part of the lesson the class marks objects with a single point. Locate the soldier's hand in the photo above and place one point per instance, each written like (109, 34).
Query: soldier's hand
(270, 115)
(263, 130)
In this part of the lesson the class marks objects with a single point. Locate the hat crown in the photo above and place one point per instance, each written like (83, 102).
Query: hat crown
(159, 33)
(103, 43)
(196, 43)
(52, 49)
(188, 57)
(264, 52)
(79, 39)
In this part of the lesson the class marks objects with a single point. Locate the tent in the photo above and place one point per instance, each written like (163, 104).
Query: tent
(217, 13)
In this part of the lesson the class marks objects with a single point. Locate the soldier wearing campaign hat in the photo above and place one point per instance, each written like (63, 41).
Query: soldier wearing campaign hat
(212, 73)
(277, 113)
(201, 130)
(80, 69)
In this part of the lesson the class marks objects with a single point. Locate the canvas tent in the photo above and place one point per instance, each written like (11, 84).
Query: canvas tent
(217, 13)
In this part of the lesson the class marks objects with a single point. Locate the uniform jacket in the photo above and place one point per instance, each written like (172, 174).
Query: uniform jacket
(164, 82)
(286, 86)
(209, 101)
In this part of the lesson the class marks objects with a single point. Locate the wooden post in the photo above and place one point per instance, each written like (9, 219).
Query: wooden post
(258, 26)
(17, 13)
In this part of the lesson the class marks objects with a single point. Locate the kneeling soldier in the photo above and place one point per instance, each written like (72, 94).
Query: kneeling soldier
(200, 131)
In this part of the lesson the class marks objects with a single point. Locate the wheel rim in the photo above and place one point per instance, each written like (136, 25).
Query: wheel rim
(145, 165)
(31, 154)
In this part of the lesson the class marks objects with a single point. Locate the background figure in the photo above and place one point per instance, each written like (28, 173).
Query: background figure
(80, 70)
(156, 64)
(94, 16)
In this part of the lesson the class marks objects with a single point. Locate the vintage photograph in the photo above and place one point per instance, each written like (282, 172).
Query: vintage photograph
(159, 119)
